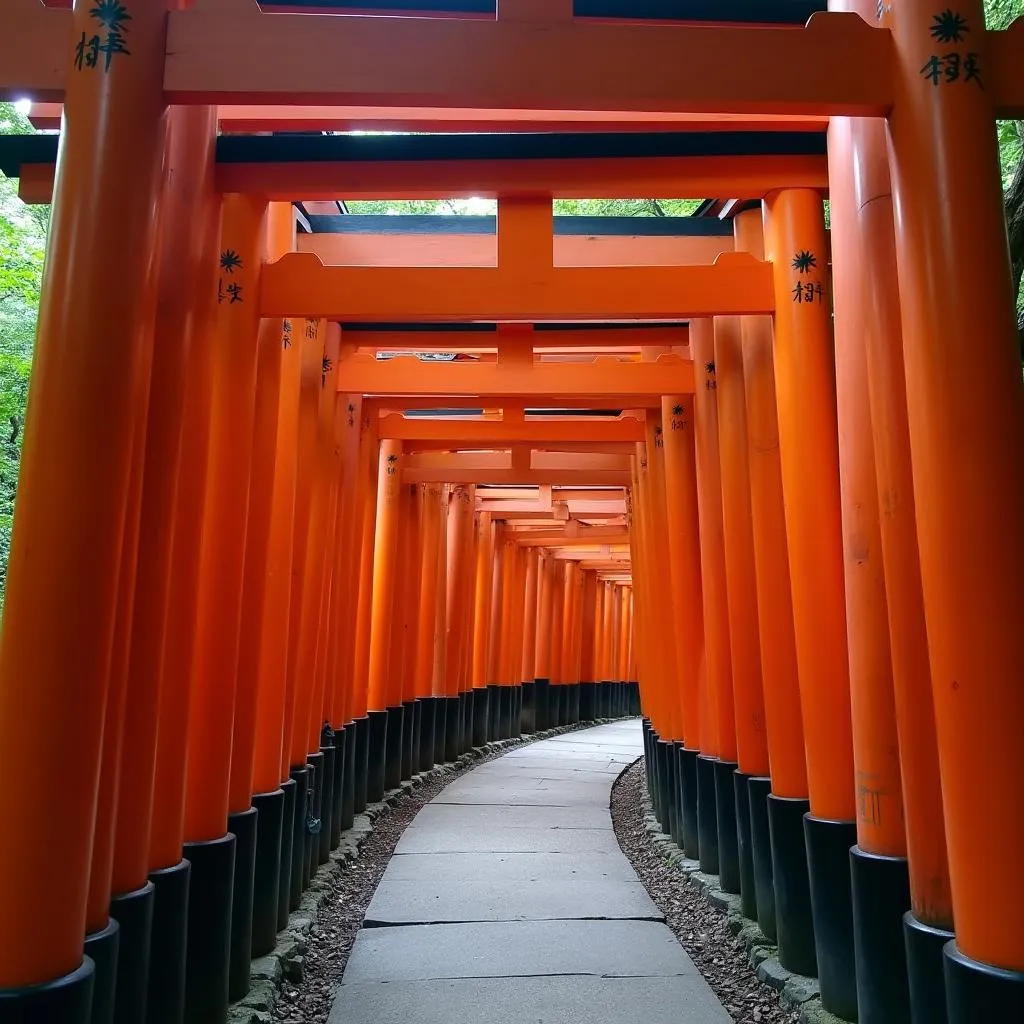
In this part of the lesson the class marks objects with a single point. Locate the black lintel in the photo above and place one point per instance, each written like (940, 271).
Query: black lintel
(16, 150)
(458, 224)
(763, 12)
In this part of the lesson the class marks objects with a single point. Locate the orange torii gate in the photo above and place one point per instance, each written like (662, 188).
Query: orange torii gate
(923, 83)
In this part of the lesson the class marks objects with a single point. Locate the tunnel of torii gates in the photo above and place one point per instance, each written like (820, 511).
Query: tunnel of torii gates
(260, 574)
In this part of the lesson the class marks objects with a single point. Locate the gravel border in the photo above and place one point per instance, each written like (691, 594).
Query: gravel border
(735, 958)
(297, 982)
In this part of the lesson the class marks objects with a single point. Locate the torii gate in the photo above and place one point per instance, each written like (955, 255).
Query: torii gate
(925, 82)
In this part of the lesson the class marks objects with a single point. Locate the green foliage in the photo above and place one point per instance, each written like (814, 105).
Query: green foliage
(22, 246)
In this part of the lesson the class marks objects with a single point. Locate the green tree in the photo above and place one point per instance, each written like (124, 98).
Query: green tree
(22, 246)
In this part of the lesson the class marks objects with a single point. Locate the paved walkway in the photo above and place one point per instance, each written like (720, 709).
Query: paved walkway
(508, 901)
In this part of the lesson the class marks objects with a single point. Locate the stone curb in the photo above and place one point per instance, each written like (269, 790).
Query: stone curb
(269, 973)
(796, 992)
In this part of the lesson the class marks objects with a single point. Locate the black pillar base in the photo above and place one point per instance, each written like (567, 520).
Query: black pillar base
(323, 845)
(880, 889)
(466, 703)
(707, 814)
(340, 743)
(133, 911)
(266, 878)
(688, 801)
(660, 793)
(728, 834)
(507, 705)
(586, 702)
(314, 821)
(439, 729)
(541, 705)
(828, 869)
(926, 968)
(675, 794)
(653, 773)
(794, 923)
(428, 733)
(243, 827)
(528, 701)
(560, 691)
(393, 747)
(758, 789)
(748, 887)
(361, 768)
(209, 930)
(481, 715)
(452, 729)
(68, 1000)
(301, 776)
(348, 778)
(573, 704)
(376, 755)
(976, 992)
(102, 949)
(284, 890)
(493, 712)
(410, 740)
(168, 944)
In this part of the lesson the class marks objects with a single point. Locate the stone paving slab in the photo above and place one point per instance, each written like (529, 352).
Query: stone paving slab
(550, 1000)
(508, 840)
(498, 899)
(512, 868)
(516, 949)
(498, 790)
(485, 817)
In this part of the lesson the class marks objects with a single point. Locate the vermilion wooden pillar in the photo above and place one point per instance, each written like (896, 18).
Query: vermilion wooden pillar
(968, 475)
(780, 857)
(209, 847)
(306, 561)
(528, 672)
(542, 664)
(929, 925)
(741, 597)
(246, 823)
(459, 605)
(89, 373)
(805, 392)
(385, 551)
(881, 890)
(718, 730)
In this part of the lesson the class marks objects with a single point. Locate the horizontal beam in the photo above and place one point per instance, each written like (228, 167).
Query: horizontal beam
(586, 538)
(576, 509)
(220, 57)
(629, 385)
(300, 285)
(610, 178)
(580, 477)
(223, 58)
(479, 250)
(492, 432)
(588, 339)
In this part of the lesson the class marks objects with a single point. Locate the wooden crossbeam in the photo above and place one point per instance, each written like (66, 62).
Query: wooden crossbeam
(300, 285)
(495, 433)
(837, 64)
(605, 381)
(543, 341)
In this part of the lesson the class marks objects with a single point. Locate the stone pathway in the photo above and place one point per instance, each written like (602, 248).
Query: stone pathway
(508, 901)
